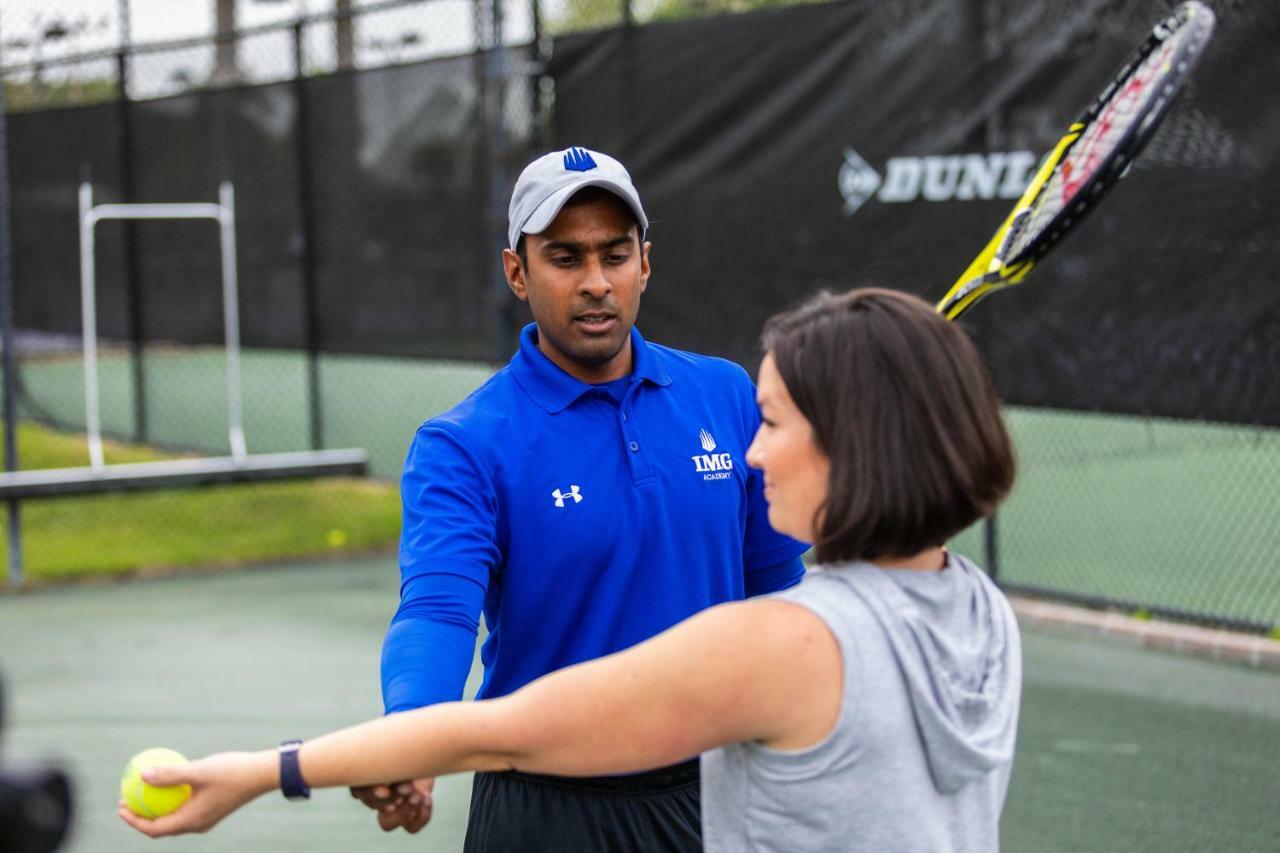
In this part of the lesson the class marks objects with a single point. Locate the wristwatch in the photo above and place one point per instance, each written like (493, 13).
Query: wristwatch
(292, 785)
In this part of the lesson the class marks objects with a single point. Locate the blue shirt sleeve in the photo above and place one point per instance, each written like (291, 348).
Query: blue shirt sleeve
(774, 578)
(448, 547)
(427, 653)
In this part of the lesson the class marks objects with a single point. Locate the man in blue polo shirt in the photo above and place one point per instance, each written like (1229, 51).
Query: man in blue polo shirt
(591, 494)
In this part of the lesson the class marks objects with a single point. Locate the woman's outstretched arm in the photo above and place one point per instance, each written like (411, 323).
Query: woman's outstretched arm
(757, 670)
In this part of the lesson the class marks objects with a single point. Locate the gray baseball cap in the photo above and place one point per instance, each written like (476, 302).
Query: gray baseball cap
(547, 183)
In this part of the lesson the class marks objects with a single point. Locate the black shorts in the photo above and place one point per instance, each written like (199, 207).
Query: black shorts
(516, 812)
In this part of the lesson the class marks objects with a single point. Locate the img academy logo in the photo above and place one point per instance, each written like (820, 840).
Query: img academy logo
(712, 465)
(954, 177)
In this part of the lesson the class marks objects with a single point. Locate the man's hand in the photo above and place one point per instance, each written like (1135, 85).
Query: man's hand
(405, 805)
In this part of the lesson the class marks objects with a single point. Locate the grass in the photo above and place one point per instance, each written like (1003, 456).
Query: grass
(77, 537)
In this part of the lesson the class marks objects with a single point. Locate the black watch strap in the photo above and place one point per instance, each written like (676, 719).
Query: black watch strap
(291, 782)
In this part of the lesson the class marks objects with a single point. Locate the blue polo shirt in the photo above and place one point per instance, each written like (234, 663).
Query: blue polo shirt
(583, 519)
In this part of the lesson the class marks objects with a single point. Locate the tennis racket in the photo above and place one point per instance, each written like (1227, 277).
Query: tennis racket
(1095, 152)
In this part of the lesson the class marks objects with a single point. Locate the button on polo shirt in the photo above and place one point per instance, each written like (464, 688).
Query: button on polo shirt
(593, 516)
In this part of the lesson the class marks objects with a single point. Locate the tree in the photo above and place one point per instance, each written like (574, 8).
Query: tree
(226, 67)
(344, 34)
(20, 95)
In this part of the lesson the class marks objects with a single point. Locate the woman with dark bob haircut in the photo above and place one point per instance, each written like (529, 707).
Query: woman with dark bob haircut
(873, 707)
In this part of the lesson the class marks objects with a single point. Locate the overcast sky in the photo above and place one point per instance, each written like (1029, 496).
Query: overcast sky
(439, 26)
(151, 20)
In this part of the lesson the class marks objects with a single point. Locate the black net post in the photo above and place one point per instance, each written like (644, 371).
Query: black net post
(541, 49)
(990, 537)
(6, 332)
(132, 275)
(306, 239)
(493, 80)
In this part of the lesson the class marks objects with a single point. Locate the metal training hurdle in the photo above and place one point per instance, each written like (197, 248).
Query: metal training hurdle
(98, 477)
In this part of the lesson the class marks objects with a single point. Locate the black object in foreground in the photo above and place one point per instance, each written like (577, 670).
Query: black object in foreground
(35, 807)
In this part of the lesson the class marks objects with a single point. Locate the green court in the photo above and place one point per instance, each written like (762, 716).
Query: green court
(1119, 748)
(1163, 513)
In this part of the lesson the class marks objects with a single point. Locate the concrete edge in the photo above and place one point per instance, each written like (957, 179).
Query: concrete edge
(1249, 649)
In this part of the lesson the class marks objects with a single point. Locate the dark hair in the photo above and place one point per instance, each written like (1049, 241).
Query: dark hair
(586, 195)
(904, 409)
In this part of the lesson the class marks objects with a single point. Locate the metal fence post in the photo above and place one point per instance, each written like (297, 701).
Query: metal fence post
(991, 537)
(493, 79)
(541, 45)
(6, 332)
(132, 277)
(306, 239)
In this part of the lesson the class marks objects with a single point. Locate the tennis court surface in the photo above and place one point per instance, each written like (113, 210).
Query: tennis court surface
(1120, 748)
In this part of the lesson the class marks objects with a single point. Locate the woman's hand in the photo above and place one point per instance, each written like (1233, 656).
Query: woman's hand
(220, 784)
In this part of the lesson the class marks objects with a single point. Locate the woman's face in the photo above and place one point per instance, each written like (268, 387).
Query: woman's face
(795, 470)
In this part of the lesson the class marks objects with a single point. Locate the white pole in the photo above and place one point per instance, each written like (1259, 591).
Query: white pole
(231, 315)
(224, 213)
(89, 326)
(197, 210)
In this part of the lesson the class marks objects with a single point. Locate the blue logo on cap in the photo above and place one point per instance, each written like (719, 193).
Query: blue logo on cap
(578, 160)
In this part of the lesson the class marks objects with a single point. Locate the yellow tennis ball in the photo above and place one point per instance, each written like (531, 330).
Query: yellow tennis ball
(149, 800)
(336, 538)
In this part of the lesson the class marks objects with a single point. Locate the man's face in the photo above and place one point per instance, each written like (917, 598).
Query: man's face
(583, 282)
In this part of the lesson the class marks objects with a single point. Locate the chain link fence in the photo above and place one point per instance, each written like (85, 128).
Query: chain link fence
(1157, 517)
(369, 145)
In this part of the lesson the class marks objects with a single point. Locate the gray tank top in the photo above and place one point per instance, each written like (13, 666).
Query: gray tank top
(920, 755)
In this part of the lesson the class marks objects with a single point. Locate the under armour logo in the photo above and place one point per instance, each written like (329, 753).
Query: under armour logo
(572, 493)
(578, 160)
(708, 443)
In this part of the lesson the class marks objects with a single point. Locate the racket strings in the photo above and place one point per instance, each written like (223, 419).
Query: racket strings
(1109, 129)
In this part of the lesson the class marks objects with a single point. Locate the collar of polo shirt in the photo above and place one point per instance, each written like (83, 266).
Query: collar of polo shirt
(554, 390)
